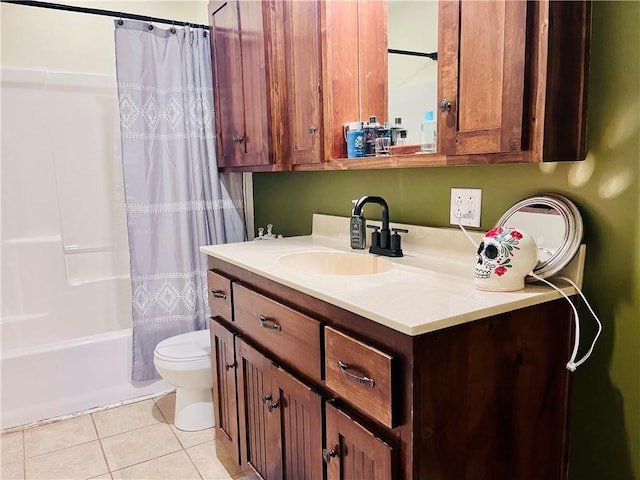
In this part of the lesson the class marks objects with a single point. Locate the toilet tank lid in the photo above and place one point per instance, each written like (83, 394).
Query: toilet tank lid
(185, 346)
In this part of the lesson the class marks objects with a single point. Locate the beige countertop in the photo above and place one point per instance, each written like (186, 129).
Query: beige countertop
(428, 289)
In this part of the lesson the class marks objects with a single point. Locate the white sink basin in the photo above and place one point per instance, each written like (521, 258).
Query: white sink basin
(336, 263)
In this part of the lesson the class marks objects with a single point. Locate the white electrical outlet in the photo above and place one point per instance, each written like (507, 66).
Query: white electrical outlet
(466, 205)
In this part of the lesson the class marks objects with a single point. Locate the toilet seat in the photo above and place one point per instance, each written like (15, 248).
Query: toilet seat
(185, 347)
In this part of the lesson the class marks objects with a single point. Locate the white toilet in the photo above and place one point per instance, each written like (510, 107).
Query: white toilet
(185, 362)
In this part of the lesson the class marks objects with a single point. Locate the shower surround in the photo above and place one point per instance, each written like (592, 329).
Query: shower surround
(66, 295)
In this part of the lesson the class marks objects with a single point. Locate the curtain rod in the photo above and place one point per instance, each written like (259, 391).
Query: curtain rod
(433, 56)
(107, 13)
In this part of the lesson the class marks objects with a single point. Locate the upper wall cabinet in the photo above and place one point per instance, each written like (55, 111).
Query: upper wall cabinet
(241, 76)
(284, 87)
(512, 80)
(482, 74)
(288, 75)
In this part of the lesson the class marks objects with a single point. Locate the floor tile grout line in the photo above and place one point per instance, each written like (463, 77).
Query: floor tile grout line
(104, 454)
(24, 455)
(146, 461)
(143, 461)
(184, 448)
(194, 465)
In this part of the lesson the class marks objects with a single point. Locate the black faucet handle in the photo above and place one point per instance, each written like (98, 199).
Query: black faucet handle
(375, 235)
(396, 239)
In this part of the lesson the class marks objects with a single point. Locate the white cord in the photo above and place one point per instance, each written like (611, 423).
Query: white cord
(573, 364)
(595, 338)
(464, 230)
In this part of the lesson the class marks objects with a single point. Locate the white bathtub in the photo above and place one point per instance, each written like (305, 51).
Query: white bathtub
(66, 339)
(66, 377)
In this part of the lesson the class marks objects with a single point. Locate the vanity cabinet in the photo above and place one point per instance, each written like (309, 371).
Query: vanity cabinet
(280, 419)
(322, 392)
(274, 417)
(288, 75)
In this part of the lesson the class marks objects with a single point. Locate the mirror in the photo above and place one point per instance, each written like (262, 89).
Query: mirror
(556, 225)
(412, 79)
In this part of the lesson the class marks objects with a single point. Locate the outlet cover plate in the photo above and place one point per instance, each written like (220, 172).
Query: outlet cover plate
(466, 205)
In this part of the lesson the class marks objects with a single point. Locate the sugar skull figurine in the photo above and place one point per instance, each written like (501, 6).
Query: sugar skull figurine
(504, 258)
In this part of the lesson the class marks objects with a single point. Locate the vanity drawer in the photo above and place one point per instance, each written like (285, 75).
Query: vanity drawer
(219, 295)
(289, 335)
(360, 374)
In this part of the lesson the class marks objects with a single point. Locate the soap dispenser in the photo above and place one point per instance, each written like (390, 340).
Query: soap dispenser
(357, 229)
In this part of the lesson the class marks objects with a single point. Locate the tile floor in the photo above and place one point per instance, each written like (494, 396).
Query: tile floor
(135, 441)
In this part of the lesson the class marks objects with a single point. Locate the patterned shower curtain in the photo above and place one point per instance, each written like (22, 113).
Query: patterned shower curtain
(175, 199)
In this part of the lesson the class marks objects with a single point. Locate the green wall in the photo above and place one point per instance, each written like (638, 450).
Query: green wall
(605, 424)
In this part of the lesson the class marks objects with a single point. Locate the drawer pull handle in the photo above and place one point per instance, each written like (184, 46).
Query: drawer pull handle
(358, 378)
(327, 455)
(229, 366)
(270, 324)
(218, 294)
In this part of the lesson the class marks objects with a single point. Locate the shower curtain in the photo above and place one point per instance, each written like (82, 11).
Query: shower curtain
(175, 199)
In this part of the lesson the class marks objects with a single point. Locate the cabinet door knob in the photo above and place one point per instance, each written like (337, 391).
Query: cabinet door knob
(229, 366)
(270, 324)
(357, 378)
(313, 129)
(272, 406)
(445, 105)
(327, 455)
(238, 139)
(266, 398)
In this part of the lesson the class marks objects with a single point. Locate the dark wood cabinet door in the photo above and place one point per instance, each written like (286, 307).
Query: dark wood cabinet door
(481, 65)
(301, 35)
(254, 398)
(224, 389)
(353, 452)
(240, 70)
(280, 420)
(296, 429)
(227, 77)
(254, 146)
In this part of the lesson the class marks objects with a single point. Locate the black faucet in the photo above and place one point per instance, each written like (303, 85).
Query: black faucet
(382, 242)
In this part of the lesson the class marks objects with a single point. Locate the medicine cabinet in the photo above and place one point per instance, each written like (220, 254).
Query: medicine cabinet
(288, 75)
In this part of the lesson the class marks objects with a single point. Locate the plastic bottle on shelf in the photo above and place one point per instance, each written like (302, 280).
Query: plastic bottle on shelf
(370, 135)
(428, 138)
(398, 133)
